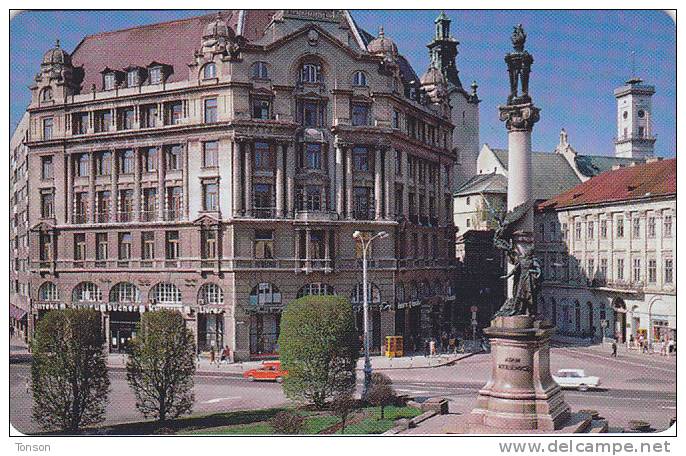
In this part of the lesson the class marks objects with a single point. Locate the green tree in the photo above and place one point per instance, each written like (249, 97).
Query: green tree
(319, 348)
(68, 370)
(161, 366)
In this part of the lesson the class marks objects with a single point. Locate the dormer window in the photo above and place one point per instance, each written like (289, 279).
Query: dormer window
(209, 71)
(260, 70)
(132, 78)
(311, 73)
(47, 94)
(360, 79)
(110, 81)
(155, 75)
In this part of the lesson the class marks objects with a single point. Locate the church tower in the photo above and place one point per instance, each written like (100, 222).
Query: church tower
(635, 138)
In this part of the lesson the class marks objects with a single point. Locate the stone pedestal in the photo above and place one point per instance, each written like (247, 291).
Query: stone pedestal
(521, 394)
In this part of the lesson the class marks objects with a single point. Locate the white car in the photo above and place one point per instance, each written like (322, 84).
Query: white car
(575, 378)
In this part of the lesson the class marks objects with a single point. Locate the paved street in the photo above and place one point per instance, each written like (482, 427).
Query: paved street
(634, 387)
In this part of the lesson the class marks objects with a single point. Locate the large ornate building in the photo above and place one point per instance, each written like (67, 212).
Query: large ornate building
(224, 174)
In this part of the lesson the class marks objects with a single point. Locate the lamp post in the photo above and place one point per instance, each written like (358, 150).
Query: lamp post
(357, 235)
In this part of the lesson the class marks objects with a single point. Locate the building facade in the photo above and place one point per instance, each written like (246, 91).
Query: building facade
(225, 177)
(608, 254)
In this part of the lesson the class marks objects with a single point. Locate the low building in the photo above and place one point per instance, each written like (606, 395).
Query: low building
(608, 253)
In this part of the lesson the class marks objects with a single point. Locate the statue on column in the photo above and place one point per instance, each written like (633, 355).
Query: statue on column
(519, 67)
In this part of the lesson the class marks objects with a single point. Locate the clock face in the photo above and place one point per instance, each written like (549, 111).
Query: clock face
(641, 113)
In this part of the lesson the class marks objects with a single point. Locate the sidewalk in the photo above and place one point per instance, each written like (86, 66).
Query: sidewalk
(623, 351)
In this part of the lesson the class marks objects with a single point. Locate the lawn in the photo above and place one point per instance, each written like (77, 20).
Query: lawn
(375, 425)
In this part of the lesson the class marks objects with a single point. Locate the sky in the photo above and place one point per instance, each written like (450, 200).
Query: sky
(580, 57)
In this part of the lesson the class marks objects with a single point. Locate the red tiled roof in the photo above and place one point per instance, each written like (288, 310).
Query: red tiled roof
(631, 182)
(172, 43)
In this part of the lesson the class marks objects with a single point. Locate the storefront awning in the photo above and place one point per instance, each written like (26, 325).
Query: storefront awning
(16, 312)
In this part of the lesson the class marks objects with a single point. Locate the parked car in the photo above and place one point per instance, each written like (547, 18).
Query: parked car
(270, 370)
(576, 378)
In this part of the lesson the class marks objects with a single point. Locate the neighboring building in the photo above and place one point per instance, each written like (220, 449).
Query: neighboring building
(222, 171)
(480, 202)
(608, 252)
(19, 286)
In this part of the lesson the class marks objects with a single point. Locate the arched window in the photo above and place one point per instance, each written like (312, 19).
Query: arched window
(209, 71)
(211, 294)
(265, 294)
(311, 73)
(125, 292)
(260, 70)
(87, 292)
(317, 289)
(360, 79)
(48, 292)
(400, 292)
(47, 94)
(414, 291)
(373, 294)
(165, 293)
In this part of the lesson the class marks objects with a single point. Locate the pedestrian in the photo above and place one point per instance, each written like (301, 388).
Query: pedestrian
(663, 347)
(432, 347)
(427, 348)
(632, 342)
(212, 356)
(671, 346)
(614, 348)
(444, 342)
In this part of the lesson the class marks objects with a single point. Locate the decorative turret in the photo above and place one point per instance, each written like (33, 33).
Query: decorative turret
(383, 46)
(217, 37)
(434, 85)
(443, 51)
(56, 73)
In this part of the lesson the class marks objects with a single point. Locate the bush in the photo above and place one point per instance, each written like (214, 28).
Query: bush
(161, 366)
(319, 348)
(287, 422)
(342, 405)
(381, 395)
(68, 370)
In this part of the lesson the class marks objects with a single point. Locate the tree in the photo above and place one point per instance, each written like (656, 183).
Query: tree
(342, 405)
(161, 366)
(287, 422)
(319, 348)
(381, 392)
(68, 370)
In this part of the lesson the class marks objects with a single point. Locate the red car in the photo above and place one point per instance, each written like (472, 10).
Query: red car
(270, 370)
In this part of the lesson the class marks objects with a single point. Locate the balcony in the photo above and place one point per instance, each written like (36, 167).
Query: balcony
(311, 215)
(315, 264)
(262, 212)
(172, 215)
(148, 216)
(102, 217)
(124, 217)
(79, 218)
(363, 214)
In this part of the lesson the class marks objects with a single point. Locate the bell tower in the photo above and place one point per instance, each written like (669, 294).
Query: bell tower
(635, 137)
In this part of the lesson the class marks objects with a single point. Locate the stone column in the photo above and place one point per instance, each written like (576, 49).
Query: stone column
(236, 160)
(440, 196)
(91, 186)
(114, 202)
(331, 158)
(136, 184)
(161, 192)
(340, 198)
(349, 182)
(406, 186)
(290, 178)
(70, 191)
(378, 186)
(247, 151)
(279, 181)
(389, 181)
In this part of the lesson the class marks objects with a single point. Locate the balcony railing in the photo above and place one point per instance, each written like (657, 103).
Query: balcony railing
(363, 214)
(79, 218)
(148, 216)
(172, 215)
(316, 215)
(263, 212)
(102, 217)
(124, 217)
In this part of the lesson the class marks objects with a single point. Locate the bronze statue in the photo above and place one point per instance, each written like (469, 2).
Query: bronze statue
(519, 67)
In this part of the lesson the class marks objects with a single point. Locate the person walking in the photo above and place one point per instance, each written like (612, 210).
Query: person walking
(614, 349)
(427, 348)
(213, 356)
(432, 347)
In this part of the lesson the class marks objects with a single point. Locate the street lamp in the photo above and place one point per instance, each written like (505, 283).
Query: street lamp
(357, 235)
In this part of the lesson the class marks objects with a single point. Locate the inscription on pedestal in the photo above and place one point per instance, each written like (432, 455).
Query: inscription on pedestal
(514, 364)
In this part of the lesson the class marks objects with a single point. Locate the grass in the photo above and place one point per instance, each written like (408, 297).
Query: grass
(375, 425)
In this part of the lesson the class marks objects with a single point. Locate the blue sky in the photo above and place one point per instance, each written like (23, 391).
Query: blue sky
(580, 57)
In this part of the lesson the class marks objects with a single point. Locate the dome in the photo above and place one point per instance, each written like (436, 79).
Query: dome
(432, 76)
(382, 45)
(218, 28)
(57, 55)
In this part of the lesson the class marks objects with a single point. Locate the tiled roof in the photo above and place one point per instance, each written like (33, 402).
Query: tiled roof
(592, 165)
(640, 181)
(483, 183)
(552, 173)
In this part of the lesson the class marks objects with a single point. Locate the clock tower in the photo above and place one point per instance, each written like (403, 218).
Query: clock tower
(634, 138)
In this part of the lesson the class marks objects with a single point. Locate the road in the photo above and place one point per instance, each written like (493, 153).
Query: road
(633, 388)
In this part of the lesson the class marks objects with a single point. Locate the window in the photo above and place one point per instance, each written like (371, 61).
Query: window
(361, 159)
(166, 293)
(261, 108)
(45, 245)
(47, 94)
(81, 209)
(47, 205)
(110, 81)
(172, 157)
(669, 270)
(360, 114)
(636, 228)
(590, 267)
(310, 73)
(578, 230)
(103, 206)
(316, 289)
(125, 205)
(590, 229)
(210, 196)
(46, 167)
(309, 198)
(313, 156)
(652, 271)
(208, 238)
(210, 110)
(125, 246)
(48, 292)
(565, 232)
(311, 113)
(87, 292)
(101, 247)
(211, 294)
(396, 119)
(132, 78)
(80, 123)
(260, 70)
(637, 270)
(173, 113)
(620, 227)
(360, 79)
(102, 120)
(209, 71)
(126, 162)
(620, 268)
(668, 226)
(125, 292)
(641, 132)
(264, 244)
(651, 227)
(148, 116)
(174, 200)
(362, 203)
(149, 204)
(210, 154)
(155, 75)
(603, 229)
(103, 163)
(171, 245)
(150, 160)
(263, 156)
(263, 199)
(147, 245)
(47, 128)
(125, 118)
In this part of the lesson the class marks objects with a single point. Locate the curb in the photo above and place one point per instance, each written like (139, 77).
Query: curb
(447, 363)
